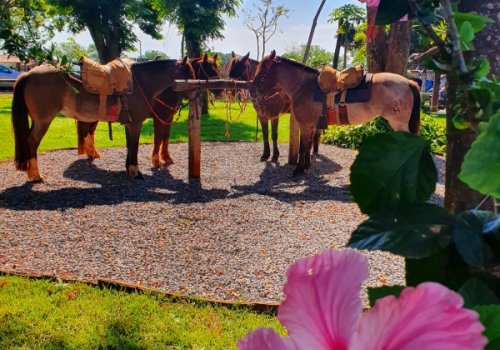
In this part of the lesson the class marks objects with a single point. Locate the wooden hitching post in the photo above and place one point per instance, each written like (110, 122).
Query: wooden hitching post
(194, 132)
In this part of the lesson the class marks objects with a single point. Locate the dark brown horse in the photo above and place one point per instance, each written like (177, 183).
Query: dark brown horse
(44, 91)
(393, 97)
(269, 108)
(167, 104)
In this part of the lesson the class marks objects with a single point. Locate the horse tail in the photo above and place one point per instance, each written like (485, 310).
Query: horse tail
(20, 124)
(414, 122)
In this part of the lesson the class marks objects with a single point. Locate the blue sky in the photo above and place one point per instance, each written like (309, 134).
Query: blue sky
(294, 31)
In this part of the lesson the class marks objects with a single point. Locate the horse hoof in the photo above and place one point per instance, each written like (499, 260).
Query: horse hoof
(298, 172)
(139, 176)
(36, 180)
(169, 161)
(275, 159)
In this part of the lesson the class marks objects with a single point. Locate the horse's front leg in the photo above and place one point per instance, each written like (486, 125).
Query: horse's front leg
(317, 140)
(304, 163)
(86, 139)
(312, 140)
(265, 135)
(132, 133)
(160, 145)
(274, 133)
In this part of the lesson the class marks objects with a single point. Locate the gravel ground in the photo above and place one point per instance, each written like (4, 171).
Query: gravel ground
(230, 236)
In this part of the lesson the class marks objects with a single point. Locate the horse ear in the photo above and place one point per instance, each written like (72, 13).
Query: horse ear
(272, 55)
(233, 55)
(205, 58)
(246, 57)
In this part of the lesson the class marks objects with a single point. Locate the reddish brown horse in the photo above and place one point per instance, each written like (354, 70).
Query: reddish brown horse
(167, 104)
(44, 91)
(393, 97)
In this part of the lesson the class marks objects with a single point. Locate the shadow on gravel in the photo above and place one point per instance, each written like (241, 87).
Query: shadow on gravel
(115, 188)
(276, 181)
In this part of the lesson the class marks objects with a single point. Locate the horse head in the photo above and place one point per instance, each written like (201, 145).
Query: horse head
(206, 68)
(240, 67)
(265, 79)
(184, 69)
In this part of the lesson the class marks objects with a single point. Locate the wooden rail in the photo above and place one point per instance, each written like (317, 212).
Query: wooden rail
(194, 119)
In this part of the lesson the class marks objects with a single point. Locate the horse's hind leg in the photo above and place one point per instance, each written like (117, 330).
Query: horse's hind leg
(317, 139)
(274, 133)
(265, 134)
(160, 145)
(86, 141)
(38, 130)
(132, 133)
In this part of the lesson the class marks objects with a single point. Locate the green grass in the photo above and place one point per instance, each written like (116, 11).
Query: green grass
(62, 131)
(39, 314)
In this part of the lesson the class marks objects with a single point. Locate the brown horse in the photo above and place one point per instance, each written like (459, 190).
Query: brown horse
(167, 104)
(44, 91)
(270, 108)
(393, 97)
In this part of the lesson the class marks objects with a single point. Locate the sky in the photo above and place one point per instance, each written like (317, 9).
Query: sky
(293, 31)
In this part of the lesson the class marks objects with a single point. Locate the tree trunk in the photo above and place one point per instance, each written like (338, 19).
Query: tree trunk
(193, 47)
(487, 41)
(376, 47)
(458, 196)
(399, 48)
(435, 92)
(336, 54)
(345, 51)
(311, 32)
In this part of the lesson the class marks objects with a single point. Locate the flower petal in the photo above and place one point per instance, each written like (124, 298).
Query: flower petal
(429, 317)
(265, 339)
(322, 304)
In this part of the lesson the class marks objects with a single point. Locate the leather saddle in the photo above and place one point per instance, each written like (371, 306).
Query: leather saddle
(111, 79)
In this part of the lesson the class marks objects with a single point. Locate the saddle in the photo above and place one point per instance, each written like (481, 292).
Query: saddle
(111, 79)
(338, 88)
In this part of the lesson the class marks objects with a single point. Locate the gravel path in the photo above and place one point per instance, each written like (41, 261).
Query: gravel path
(230, 236)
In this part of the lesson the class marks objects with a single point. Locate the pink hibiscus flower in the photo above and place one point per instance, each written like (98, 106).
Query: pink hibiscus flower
(322, 311)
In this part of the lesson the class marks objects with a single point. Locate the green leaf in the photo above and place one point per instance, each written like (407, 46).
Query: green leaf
(481, 167)
(483, 68)
(413, 231)
(375, 293)
(483, 96)
(470, 227)
(466, 32)
(441, 66)
(476, 21)
(490, 318)
(391, 169)
(460, 123)
(390, 11)
(475, 293)
(445, 267)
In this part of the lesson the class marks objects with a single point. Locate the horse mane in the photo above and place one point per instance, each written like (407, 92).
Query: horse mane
(298, 64)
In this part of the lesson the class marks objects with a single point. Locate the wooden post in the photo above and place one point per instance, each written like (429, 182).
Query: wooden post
(293, 147)
(194, 133)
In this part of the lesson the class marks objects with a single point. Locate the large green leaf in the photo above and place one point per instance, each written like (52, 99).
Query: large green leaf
(375, 293)
(445, 267)
(392, 169)
(477, 22)
(469, 235)
(476, 293)
(413, 231)
(481, 166)
(390, 11)
(490, 318)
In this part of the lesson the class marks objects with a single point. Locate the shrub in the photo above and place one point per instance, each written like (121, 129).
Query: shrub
(352, 136)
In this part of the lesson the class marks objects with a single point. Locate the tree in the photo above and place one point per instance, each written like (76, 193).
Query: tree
(71, 49)
(154, 54)
(348, 17)
(263, 22)
(24, 31)
(198, 20)
(317, 56)
(109, 22)
(387, 52)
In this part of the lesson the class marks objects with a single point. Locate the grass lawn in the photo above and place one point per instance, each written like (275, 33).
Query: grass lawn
(62, 131)
(39, 314)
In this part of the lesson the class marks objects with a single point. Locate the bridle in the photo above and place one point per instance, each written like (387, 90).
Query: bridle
(201, 69)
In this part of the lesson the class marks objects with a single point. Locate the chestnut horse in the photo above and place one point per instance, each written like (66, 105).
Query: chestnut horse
(167, 104)
(45, 90)
(394, 97)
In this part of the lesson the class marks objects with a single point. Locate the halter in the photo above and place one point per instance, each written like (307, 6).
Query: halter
(202, 70)
(246, 73)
